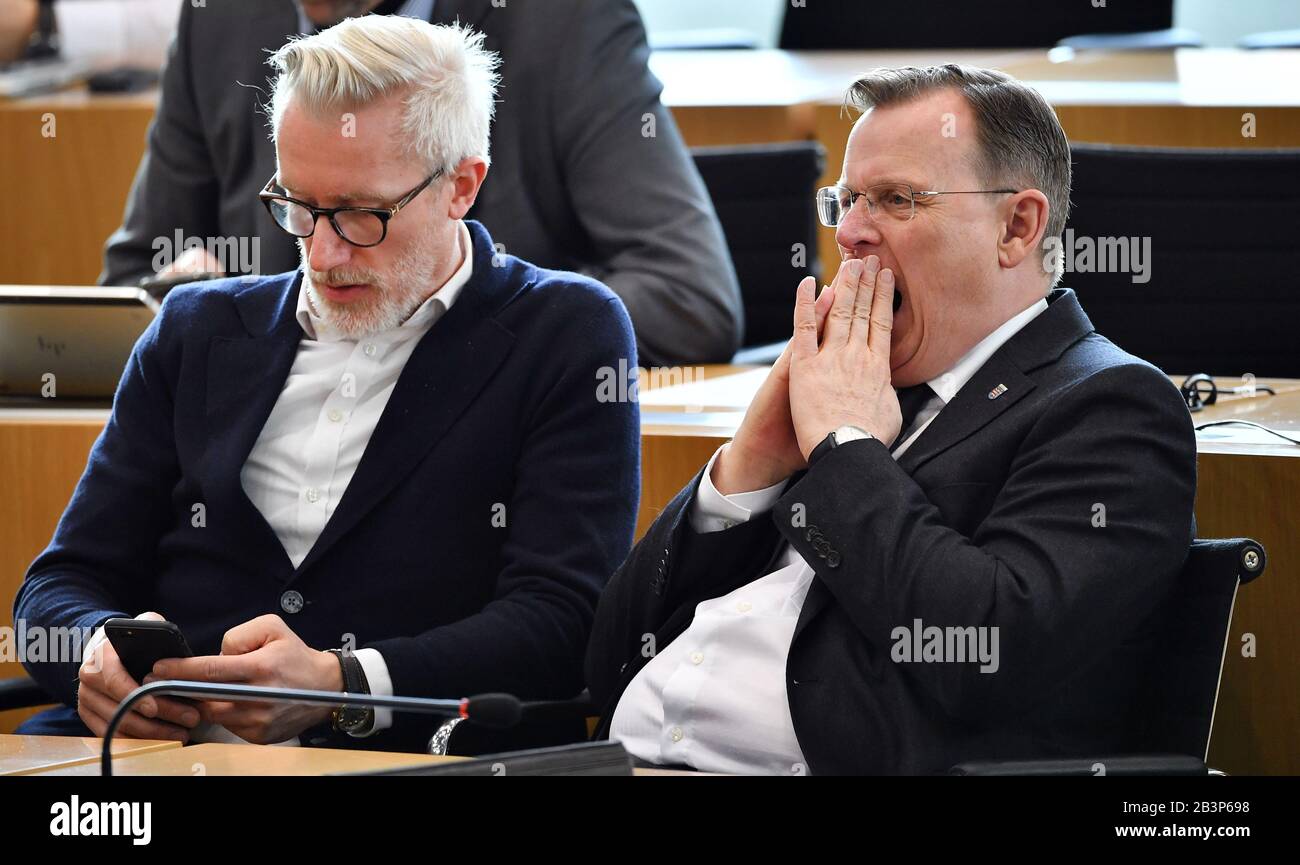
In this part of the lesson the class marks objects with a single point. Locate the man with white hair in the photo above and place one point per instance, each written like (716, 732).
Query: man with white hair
(390, 470)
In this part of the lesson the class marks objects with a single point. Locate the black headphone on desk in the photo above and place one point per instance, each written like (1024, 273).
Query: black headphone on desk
(1200, 390)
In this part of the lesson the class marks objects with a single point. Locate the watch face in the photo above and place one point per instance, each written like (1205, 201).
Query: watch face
(353, 719)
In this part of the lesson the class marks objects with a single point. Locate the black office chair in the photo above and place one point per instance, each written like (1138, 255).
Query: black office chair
(829, 25)
(1171, 725)
(1222, 295)
(22, 692)
(764, 198)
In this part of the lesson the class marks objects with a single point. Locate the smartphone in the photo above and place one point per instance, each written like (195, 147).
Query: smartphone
(141, 643)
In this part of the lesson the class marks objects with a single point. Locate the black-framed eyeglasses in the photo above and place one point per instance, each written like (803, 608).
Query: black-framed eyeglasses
(359, 226)
(897, 201)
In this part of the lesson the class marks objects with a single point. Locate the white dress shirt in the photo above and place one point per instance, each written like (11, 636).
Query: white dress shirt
(715, 698)
(315, 436)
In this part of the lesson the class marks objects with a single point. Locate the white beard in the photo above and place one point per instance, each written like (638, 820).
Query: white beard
(396, 294)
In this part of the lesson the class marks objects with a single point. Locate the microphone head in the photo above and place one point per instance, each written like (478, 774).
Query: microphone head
(494, 710)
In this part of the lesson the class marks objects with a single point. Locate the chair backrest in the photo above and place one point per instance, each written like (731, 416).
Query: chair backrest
(830, 25)
(1221, 294)
(1181, 680)
(763, 195)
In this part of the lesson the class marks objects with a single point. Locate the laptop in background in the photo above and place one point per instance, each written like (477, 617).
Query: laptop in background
(60, 346)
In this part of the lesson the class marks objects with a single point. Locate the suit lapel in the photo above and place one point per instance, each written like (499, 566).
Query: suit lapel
(813, 603)
(447, 371)
(994, 388)
(245, 377)
(1003, 380)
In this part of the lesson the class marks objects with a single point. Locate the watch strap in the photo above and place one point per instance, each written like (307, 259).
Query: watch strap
(824, 447)
(348, 718)
(838, 436)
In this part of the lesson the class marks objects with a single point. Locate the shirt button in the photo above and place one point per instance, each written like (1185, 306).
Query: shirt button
(697, 658)
(335, 415)
(313, 495)
(370, 349)
(676, 734)
(744, 606)
(291, 602)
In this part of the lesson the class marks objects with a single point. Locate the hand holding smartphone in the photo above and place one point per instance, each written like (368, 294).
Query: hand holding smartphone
(141, 643)
(118, 665)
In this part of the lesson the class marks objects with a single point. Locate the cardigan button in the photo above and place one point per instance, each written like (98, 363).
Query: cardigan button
(292, 602)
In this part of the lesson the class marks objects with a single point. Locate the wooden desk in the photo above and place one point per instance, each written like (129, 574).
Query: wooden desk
(1242, 490)
(75, 183)
(261, 760)
(246, 760)
(30, 755)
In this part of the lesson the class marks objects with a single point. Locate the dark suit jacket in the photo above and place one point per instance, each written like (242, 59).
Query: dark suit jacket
(574, 184)
(987, 520)
(496, 406)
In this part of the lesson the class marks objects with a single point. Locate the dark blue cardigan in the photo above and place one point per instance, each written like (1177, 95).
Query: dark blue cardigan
(497, 406)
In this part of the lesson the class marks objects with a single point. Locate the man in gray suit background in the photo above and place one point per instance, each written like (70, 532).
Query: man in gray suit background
(589, 172)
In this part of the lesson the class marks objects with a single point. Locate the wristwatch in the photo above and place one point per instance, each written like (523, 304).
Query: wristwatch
(837, 437)
(352, 719)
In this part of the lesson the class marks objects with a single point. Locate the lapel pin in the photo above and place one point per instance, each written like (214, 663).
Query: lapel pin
(997, 391)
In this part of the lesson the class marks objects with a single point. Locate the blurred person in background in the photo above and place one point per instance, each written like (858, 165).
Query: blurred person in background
(102, 34)
(590, 172)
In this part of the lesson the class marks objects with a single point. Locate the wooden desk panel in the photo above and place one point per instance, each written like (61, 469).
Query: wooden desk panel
(42, 456)
(30, 755)
(72, 186)
(1257, 723)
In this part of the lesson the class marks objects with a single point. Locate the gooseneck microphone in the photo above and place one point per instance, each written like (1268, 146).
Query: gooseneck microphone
(491, 710)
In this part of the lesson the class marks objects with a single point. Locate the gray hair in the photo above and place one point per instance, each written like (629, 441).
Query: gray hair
(448, 78)
(1020, 141)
